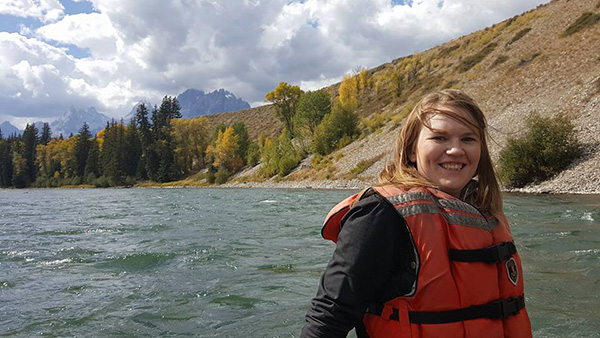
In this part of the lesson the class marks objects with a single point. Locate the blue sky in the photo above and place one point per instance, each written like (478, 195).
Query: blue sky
(110, 54)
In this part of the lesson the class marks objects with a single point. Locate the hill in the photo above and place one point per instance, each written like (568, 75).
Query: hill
(545, 60)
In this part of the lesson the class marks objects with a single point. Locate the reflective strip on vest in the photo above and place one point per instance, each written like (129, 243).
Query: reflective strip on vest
(455, 212)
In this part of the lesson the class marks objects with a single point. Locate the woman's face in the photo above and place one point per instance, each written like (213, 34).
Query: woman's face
(447, 153)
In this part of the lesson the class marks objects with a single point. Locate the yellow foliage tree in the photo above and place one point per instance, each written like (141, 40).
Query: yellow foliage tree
(225, 150)
(191, 138)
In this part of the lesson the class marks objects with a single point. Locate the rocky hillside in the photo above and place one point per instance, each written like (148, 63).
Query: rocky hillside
(546, 60)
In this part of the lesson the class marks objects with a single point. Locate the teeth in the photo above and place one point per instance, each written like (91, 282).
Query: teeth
(452, 166)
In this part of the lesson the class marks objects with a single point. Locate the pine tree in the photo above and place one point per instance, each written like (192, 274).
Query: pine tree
(30, 136)
(145, 136)
(92, 166)
(82, 149)
(6, 165)
(133, 149)
(46, 134)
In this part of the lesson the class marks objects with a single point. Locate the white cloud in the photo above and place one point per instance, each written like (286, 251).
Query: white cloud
(44, 10)
(148, 49)
(91, 30)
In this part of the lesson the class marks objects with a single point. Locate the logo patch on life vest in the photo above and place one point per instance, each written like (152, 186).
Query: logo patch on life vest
(512, 271)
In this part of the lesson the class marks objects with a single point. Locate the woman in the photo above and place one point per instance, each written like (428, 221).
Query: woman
(427, 252)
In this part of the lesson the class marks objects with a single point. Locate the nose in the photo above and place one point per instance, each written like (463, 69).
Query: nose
(455, 150)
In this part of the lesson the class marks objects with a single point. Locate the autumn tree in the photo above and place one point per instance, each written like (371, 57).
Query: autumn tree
(191, 139)
(224, 151)
(285, 98)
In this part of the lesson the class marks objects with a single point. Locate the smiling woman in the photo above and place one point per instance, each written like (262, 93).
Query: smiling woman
(428, 252)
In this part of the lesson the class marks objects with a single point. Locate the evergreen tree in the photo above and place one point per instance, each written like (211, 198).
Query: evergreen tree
(46, 134)
(30, 137)
(133, 149)
(92, 166)
(6, 165)
(110, 156)
(144, 130)
(82, 148)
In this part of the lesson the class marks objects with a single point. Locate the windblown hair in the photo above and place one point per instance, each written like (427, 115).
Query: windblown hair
(402, 172)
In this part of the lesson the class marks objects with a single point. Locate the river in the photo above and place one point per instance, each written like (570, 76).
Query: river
(237, 262)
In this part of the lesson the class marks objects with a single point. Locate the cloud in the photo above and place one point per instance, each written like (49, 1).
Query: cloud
(87, 30)
(44, 10)
(143, 50)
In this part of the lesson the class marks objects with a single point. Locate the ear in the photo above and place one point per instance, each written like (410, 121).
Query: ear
(413, 155)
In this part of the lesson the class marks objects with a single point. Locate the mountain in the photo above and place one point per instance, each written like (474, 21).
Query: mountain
(196, 103)
(8, 129)
(133, 111)
(72, 120)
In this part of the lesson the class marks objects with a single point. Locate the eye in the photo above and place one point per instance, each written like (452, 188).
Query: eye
(438, 138)
(469, 139)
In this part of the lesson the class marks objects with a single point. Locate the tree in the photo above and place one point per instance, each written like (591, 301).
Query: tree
(133, 149)
(239, 129)
(225, 151)
(285, 98)
(92, 165)
(312, 107)
(30, 138)
(82, 148)
(145, 135)
(6, 165)
(191, 139)
(46, 134)
(336, 130)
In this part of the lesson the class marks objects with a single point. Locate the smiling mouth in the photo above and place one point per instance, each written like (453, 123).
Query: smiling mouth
(452, 166)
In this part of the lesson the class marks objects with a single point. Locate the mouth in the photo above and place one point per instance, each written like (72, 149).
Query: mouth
(452, 166)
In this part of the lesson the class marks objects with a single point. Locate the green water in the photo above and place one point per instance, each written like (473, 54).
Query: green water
(236, 262)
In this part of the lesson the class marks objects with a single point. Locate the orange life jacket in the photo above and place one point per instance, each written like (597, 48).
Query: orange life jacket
(469, 277)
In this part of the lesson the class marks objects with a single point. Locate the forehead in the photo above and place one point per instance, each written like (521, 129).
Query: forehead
(448, 117)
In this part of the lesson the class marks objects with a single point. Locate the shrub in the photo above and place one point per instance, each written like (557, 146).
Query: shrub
(549, 147)
(253, 154)
(222, 175)
(519, 35)
(470, 61)
(586, 20)
(528, 59)
(499, 60)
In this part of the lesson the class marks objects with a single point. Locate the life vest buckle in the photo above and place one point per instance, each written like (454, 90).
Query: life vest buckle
(505, 250)
(511, 306)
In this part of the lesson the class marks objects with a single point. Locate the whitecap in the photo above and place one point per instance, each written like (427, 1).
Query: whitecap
(587, 216)
(268, 201)
(57, 262)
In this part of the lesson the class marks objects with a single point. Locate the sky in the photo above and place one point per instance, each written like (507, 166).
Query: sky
(111, 54)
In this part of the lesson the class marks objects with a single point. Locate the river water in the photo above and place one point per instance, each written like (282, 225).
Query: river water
(236, 262)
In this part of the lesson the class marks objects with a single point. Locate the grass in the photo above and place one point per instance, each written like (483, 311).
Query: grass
(586, 20)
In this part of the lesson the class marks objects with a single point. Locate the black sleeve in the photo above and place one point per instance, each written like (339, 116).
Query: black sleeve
(368, 266)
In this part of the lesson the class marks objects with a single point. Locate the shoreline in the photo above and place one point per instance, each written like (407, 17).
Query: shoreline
(354, 184)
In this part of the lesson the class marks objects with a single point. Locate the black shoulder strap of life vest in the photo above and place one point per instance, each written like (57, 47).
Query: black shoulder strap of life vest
(493, 255)
(498, 309)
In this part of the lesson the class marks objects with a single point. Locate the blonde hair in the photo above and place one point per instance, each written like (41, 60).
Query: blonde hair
(402, 172)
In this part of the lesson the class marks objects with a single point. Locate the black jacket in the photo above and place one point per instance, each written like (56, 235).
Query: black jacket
(371, 264)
